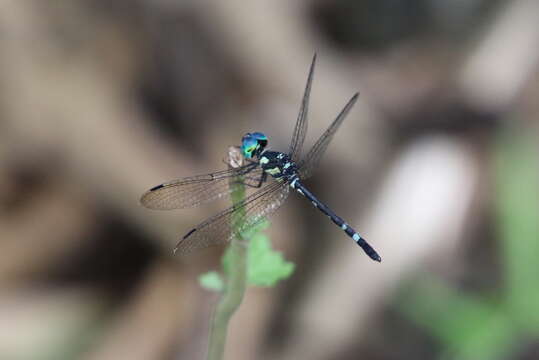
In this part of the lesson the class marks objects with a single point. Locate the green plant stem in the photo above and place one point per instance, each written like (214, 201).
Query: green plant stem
(228, 304)
(235, 280)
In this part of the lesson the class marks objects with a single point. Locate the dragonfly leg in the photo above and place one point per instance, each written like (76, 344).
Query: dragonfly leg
(259, 180)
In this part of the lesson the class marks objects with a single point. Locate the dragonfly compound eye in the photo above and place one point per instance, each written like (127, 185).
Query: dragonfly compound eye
(252, 144)
(261, 139)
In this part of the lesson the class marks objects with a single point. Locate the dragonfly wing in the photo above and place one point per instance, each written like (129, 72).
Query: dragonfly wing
(219, 228)
(309, 164)
(195, 190)
(301, 124)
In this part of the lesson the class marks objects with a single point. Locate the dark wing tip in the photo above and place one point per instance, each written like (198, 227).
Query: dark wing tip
(189, 234)
(156, 187)
(183, 238)
(145, 199)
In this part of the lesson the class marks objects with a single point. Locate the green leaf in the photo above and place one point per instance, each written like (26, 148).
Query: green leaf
(246, 236)
(265, 267)
(211, 281)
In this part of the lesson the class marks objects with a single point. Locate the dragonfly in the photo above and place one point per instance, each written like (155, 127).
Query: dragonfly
(272, 173)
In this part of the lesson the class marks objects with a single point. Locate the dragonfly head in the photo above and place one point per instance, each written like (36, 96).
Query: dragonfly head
(252, 144)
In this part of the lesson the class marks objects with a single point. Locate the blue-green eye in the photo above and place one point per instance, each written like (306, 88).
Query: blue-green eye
(259, 136)
(248, 145)
(252, 144)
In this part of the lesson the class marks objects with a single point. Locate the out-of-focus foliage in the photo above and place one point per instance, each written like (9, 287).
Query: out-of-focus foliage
(211, 281)
(517, 205)
(490, 325)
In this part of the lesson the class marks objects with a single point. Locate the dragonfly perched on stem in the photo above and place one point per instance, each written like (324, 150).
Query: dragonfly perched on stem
(273, 172)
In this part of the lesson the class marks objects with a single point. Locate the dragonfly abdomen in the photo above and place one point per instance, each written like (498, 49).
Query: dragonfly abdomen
(298, 186)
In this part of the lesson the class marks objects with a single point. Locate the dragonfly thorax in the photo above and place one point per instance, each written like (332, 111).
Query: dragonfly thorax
(277, 164)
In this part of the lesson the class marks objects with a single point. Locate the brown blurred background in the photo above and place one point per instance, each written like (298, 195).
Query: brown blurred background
(436, 166)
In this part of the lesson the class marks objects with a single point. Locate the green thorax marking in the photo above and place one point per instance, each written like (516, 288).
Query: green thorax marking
(276, 164)
(274, 171)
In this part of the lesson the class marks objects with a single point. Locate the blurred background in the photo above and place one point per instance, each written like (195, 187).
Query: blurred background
(436, 166)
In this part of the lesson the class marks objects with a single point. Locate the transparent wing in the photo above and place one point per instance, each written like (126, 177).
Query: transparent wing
(249, 212)
(195, 190)
(301, 123)
(309, 164)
